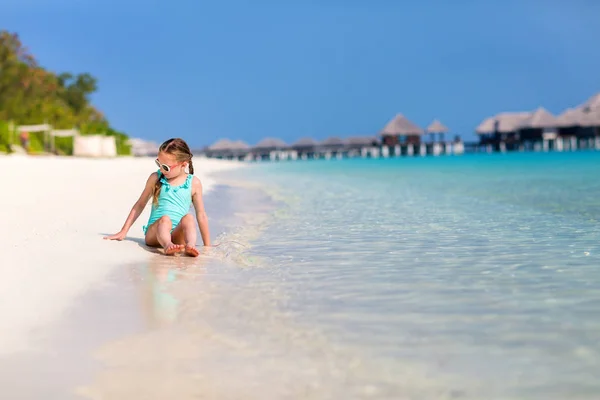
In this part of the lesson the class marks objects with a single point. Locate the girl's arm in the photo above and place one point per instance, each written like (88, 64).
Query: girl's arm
(200, 212)
(137, 208)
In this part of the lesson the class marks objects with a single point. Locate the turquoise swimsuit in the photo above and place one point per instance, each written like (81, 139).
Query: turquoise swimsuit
(173, 201)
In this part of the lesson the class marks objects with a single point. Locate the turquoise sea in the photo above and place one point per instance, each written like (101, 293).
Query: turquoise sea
(472, 277)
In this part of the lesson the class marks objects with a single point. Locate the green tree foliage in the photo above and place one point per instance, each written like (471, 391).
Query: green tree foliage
(30, 94)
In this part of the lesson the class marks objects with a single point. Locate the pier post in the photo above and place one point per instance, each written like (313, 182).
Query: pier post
(458, 148)
(410, 150)
(385, 151)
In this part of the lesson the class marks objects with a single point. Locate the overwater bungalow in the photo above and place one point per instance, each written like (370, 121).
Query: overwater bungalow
(499, 133)
(270, 149)
(575, 128)
(332, 147)
(400, 130)
(364, 146)
(227, 149)
(305, 148)
(539, 126)
(588, 117)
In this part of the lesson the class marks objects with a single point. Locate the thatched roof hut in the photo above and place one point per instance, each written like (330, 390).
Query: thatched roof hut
(220, 145)
(591, 104)
(361, 141)
(502, 123)
(437, 127)
(304, 143)
(592, 118)
(539, 119)
(571, 117)
(240, 145)
(333, 142)
(400, 125)
(270, 143)
(226, 147)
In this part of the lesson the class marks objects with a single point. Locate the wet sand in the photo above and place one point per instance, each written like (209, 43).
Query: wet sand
(213, 327)
(60, 294)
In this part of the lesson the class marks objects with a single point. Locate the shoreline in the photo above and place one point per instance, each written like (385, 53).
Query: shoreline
(129, 298)
(132, 300)
(55, 214)
(215, 327)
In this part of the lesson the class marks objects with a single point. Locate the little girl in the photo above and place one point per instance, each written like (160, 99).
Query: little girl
(173, 190)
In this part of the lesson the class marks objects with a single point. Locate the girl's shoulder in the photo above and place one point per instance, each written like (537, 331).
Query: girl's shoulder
(196, 184)
(196, 180)
(154, 177)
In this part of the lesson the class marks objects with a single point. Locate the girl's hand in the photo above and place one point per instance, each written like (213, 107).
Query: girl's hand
(117, 236)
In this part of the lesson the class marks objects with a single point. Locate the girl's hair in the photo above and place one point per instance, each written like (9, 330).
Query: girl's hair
(178, 148)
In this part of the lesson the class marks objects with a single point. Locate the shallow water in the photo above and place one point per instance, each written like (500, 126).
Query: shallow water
(479, 272)
(438, 278)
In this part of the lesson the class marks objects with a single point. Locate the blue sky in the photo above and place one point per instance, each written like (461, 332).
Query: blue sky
(250, 69)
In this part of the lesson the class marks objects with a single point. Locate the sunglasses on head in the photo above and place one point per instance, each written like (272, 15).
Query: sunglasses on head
(165, 167)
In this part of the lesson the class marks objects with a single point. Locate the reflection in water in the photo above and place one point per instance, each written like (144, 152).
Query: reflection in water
(160, 305)
(220, 327)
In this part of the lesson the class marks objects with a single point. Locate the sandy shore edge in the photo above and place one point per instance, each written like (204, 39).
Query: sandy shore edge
(55, 211)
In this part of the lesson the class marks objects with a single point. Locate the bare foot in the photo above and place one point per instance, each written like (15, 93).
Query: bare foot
(173, 248)
(191, 251)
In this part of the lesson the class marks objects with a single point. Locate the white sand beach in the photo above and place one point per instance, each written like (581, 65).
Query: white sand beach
(55, 212)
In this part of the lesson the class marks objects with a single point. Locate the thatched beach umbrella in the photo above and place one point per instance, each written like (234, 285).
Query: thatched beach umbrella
(437, 127)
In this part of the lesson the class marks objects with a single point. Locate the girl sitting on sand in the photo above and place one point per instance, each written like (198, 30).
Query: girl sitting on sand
(173, 190)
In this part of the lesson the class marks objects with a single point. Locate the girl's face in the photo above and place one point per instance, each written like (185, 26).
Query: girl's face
(169, 165)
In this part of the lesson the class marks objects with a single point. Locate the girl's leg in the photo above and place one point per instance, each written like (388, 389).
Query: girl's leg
(185, 234)
(159, 234)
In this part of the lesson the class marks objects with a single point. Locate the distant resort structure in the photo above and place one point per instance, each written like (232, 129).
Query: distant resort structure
(576, 128)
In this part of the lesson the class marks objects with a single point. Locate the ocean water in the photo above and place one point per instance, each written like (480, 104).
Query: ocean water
(469, 277)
